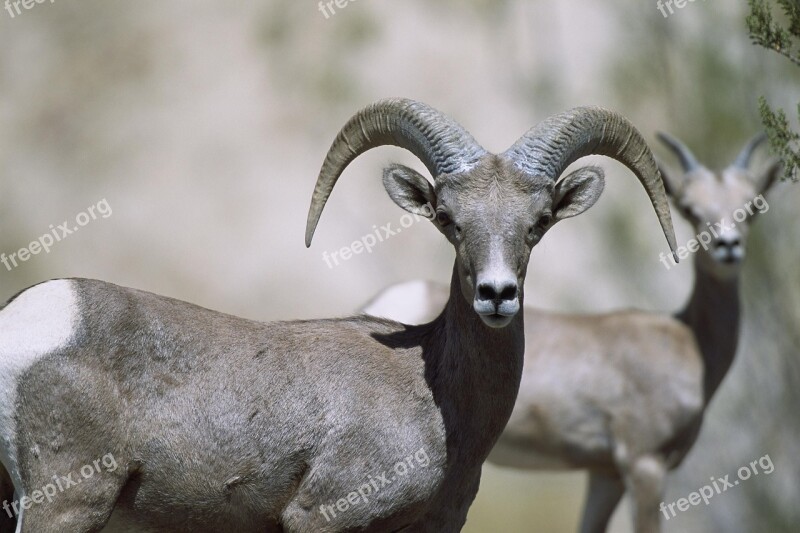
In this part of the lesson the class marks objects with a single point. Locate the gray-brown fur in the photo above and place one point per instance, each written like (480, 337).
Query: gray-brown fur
(221, 423)
(623, 394)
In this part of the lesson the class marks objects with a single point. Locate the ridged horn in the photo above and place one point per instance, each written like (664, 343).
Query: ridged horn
(555, 143)
(442, 145)
(688, 161)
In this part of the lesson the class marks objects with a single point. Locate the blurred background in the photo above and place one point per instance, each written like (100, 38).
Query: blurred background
(203, 125)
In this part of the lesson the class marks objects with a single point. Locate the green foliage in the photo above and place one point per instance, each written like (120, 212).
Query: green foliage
(766, 32)
(782, 38)
(783, 139)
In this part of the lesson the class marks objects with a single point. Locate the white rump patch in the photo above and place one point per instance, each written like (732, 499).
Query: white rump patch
(39, 321)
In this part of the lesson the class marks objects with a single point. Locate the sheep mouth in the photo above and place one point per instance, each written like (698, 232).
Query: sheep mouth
(496, 320)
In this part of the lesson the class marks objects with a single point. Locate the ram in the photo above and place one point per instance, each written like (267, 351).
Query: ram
(223, 424)
(623, 394)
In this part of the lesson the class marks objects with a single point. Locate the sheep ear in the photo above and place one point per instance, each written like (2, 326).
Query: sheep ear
(410, 190)
(766, 179)
(578, 192)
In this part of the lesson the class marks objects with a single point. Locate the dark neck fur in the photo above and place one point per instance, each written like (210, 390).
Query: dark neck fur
(713, 314)
(473, 370)
(479, 368)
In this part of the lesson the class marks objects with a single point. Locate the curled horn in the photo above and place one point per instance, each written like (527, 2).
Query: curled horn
(555, 143)
(439, 142)
(743, 159)
(688, 161)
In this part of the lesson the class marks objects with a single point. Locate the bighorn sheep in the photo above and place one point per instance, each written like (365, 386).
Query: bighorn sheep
(623, 394)
(223, 424)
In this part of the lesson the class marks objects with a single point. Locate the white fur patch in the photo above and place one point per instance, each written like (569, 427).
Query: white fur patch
(38, 322)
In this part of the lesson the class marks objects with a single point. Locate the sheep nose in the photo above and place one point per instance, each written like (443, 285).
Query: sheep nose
(729, 249)
(497, 295)
(498, 291)
(729, 242)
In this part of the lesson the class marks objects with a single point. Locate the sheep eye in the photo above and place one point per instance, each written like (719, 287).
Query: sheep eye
(534, 233)
(692, 212)
(443, 218)
(537, 230)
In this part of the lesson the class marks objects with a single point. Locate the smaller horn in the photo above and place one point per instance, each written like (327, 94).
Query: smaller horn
(688, 160)
(743, 159)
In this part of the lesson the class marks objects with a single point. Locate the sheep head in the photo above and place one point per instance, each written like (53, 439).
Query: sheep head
(493, 208)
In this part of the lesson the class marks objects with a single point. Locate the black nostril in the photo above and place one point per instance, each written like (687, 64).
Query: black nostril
(729, 244)
(486, 292)
(509, 292)
(496, 292)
